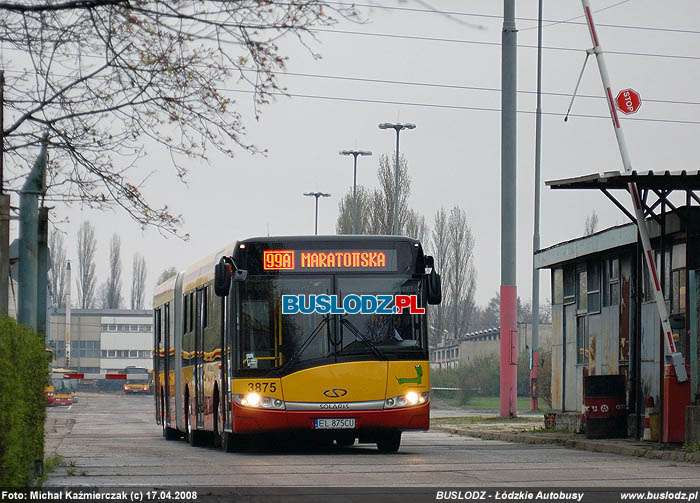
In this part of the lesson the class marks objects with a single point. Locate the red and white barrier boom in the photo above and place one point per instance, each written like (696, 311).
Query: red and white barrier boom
(672, 353)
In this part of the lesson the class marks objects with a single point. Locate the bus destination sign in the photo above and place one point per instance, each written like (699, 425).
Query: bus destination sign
(329, 260)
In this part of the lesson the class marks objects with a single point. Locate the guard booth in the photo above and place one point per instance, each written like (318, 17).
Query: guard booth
(604, 318)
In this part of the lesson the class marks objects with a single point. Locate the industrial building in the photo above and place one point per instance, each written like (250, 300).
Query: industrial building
(453, 352)
(102, 340)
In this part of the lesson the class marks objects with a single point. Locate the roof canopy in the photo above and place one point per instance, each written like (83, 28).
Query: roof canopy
(661, 184)
(667, 180)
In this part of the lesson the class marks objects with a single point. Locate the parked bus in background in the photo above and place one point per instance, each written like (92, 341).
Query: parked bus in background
(63, 384)
(49, 388)
(320, 335)
(138, 380)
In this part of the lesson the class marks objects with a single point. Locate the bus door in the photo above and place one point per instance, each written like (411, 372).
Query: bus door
(167, 360)
(225, 341)
(199, 360)
(157, 345)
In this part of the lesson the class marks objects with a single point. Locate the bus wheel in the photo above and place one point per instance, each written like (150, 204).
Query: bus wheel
(389, 441)
(192, 435)
(228, 442)
(217, 425)
(168, 433)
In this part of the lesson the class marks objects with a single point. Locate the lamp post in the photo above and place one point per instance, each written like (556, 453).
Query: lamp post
(316, 195)
(396, 127)
(354, 153)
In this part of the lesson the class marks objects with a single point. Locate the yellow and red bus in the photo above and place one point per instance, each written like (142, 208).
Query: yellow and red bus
(61, 387)
(325, 335)
(138, 380)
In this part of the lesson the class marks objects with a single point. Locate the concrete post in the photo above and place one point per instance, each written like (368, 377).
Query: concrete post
(534, 370)
(42, 272)
(509, 295)
(4, 253)
(67, 337)
(29, 241)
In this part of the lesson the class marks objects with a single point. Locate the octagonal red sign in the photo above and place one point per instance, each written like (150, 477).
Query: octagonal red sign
(628, 101)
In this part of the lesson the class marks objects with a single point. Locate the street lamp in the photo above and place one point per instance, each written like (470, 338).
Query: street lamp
(316, 195)
(397, 127)
(354, 153)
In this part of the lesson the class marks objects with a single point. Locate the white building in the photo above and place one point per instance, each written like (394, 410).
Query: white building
(102, 340)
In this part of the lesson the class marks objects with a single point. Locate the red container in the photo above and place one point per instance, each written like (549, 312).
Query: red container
(676, 399)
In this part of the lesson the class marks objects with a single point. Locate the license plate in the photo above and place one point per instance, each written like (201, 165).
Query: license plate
(334, 423)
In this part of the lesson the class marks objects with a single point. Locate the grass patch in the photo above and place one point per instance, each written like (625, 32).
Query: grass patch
(50, 465)
(492, 403)
(484, 419)
(694, 447)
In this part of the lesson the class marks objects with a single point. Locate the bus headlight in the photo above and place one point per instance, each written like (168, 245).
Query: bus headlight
(256, 401)
(409, 399)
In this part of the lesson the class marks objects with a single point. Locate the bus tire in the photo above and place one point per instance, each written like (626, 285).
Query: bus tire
(170, 433)
(216, 434)
(389, 441)
(194, 437)
(228, 442)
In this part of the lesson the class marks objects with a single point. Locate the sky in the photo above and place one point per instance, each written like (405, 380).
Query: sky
(454, 153)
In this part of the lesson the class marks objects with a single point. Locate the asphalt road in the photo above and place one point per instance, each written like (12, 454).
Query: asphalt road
(112, 440)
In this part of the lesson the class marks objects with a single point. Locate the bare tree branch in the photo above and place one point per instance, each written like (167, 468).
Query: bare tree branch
(46, 7)
(110, 78)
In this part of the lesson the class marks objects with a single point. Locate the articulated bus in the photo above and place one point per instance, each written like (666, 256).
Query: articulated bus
(320, 335)
(138, 380)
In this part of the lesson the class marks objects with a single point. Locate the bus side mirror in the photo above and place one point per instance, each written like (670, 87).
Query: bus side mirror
(433, 283)
(222, 277)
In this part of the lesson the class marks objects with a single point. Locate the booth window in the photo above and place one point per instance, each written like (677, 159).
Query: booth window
(593, 281)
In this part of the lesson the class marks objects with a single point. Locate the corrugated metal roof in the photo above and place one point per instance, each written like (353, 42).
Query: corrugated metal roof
(606, 239)
(678, 180)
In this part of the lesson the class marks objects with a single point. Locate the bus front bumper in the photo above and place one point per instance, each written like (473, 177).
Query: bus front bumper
(254, 420)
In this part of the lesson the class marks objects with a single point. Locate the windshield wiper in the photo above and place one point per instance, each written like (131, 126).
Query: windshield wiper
(362, 337)
(295, 356)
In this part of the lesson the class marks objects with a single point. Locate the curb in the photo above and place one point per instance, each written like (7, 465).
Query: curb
(564, 440)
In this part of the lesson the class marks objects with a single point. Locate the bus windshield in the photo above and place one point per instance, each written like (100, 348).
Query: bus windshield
(384, 331)
(62, 385)
(269, 339)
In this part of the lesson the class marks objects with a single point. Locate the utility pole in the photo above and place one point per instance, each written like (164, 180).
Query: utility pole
(534, 370)
(354, 153)
(509, 293)
(67, 334)
(4, 211)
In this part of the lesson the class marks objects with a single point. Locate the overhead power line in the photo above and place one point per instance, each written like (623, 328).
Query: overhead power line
(495, 44)
(460, 87)
(426, 84)
(550, 22)
(454, 107)
(437, 39)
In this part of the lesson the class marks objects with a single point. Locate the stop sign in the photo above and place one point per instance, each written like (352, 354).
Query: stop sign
(628, 101)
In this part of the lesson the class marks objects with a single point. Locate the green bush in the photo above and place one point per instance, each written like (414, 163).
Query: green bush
(478, 378)
(481, 378)
(23, 376)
